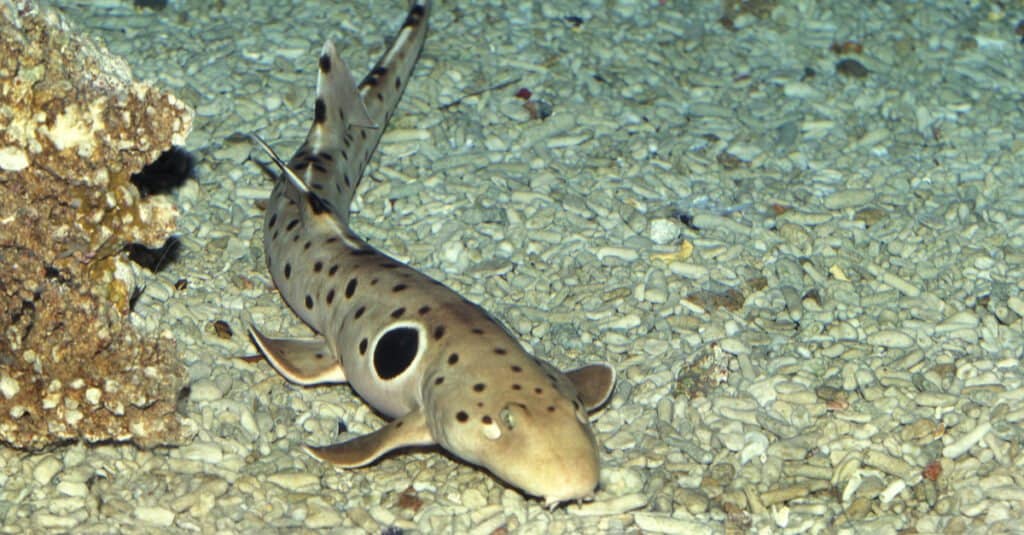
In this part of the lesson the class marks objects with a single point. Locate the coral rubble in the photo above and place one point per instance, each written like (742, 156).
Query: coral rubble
(74, 126)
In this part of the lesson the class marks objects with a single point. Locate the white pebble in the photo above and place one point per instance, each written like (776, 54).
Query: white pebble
(294, 480)
(663, 523)
(688, 270)
(207, 452)
(663, 231)
(850, 198)
(891, 338)
(614, 506)
(157, 516)
(205, 390)
(960, 446)
(45, 469)
(623, 253)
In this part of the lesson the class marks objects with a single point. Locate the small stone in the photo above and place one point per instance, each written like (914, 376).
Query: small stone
(891, 338)
(322, 518)
(294, 480)
(156, 516)
(205, 390)
(851, 68)
(45, 469)
(663, 231)
(207, 452)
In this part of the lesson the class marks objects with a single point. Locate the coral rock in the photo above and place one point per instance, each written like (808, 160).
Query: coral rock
(74, 126)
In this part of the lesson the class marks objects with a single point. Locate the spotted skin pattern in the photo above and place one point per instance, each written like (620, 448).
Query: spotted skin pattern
(439, 366)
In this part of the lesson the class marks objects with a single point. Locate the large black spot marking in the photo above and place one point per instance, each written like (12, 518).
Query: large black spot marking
(397, 313)
(438, 332)
(292, 224)
(309, 301)
(395, 351)
(453, 358)
(318, 266)
(350, 289)
(398, 288)
(362, 346)
(272, 222)
(287, 271)
(500, 351)
(325, 64)
(319, 111)
(479, 387)
(359, 312)
(333, 270)
(462, 417)
(330, 296)
(423, 310)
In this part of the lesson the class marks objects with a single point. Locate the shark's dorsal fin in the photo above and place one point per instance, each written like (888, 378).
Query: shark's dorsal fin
(593, 383)
(303, 361)
(409, 430)
(337, 88)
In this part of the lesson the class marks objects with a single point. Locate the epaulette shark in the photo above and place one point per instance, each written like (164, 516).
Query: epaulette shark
(439, 366)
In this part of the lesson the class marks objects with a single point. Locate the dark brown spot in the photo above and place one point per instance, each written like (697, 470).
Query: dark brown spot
(330, 296)
(333, 270)
(538, 390)
(398, 287)
(397, 313)
(423, 310)
(325, 64)
(362, 346)
(307, 245)
(317, 267)
(374, 281)
(551, 408)
(272, 222)
(453, 358)
(438, 332)
(516, 369)
(319, 111)
(287, 271)
(439, 380)
(319, 355)
(516, 387)
(398, 424)
(500, 350)
(292, 224)
(309, 301)
(398, 82)
(350, 289)
(479, 387)
(332, 239)
(486, 420)
(359, 312)
(477, 331)
(462, 417)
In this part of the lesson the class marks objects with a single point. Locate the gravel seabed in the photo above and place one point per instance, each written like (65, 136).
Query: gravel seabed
(839, 352)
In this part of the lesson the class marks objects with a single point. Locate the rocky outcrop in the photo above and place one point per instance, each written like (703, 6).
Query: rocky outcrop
(74, 126)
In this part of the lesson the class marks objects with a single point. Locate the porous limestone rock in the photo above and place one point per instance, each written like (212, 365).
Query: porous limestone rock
(74, 126)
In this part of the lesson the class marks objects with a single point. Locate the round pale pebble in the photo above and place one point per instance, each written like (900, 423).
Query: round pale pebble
(663, 230)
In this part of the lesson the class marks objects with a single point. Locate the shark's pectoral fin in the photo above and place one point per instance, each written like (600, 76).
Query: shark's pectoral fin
(304, 361)
(409, 430)
(594, 384)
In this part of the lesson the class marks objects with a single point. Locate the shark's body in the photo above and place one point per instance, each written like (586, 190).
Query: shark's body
(412, 348)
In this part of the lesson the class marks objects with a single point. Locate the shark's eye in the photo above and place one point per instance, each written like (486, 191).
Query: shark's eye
(507, 418)
(395, 351)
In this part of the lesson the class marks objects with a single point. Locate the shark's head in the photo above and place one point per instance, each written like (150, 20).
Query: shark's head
(524, 421)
